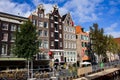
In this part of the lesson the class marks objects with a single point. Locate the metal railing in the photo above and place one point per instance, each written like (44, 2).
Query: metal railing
(106, 65)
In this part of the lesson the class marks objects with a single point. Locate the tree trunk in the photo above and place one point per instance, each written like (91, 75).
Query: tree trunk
(31, 68)
(28, 70)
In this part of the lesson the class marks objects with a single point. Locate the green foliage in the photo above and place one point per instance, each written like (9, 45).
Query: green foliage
(98, 39)
(102, 43)
(26, 43)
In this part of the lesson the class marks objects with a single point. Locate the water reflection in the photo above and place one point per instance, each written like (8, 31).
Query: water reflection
(115, 78)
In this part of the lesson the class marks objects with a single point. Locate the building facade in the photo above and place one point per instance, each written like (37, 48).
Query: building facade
(8, 25)
(41, 21)
(50, 33)
(69, 39)
(82, 44)
(56, 35)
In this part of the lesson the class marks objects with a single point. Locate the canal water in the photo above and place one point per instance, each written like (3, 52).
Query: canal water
(115, 78)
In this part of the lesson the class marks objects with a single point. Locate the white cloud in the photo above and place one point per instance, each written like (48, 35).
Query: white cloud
(112, 27)
(83, 10)
(114, 34)
(111, 30)
(8, 6)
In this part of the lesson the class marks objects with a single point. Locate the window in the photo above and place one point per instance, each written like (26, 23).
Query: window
(64, 28)
(18, 28)
(56, 18)
(52, 34)
(65, 36)
(13, 27)
(40, 32)
(60, 44)
(60, 27)
(65, 44)
(74, 45)
(45, 44)
(68, 36)
(68, 44)
(12, 37)
(4, 36)
(52, 17)
(45, 25)
(56, 35)
(40, 44)
(45, 33)
(56, 27)
(60, 35)
(40, 15)
(51, 25)
(5, 26)
(56, 45)
(34, 22)
(59, 20)
(52, 43)
(4, 49)
(68, 60)
(82, 44)
(40, 24)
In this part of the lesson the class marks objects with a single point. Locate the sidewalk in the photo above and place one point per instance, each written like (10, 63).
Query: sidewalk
(98, 74)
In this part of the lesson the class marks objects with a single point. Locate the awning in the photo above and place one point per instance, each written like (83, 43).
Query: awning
(12, 59)
(85, 57)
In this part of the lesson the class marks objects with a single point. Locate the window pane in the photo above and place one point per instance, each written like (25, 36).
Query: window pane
(13, 37)
(40, 32)
(4, 49)
(5, 26)
(13, 27)
(4, 36)
(45, 25)
(45, 33)
(40, 24)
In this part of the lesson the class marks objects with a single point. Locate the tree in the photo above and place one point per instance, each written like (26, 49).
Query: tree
(26, 43)
(99, 41)
(113, 47)
(102, 43)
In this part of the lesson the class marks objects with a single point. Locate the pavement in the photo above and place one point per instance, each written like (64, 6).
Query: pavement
(98, 74)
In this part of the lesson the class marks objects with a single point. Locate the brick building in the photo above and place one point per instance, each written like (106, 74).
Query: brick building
(8, 25)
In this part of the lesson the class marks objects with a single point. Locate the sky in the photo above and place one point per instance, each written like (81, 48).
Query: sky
(106, 13)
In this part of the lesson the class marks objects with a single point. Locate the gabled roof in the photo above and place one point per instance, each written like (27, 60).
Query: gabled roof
(63, 17)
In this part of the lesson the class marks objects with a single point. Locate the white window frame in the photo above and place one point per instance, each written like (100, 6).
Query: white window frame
(60, 35)
(51, 25)
(52, 34)
(60, 26)
(52, 43)
(45, 44)
(46, 24)
(5, 26)
(5, 36)
(12, 35)
(4, 49)
(41, 33)
(44, 33)
(40, 24)
(13, 27)
(33, 21)
(60, 44)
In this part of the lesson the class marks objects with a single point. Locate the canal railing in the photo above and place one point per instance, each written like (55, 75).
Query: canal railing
(106, 65)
